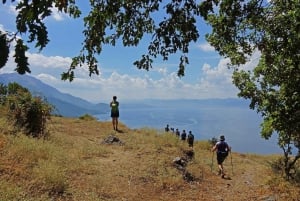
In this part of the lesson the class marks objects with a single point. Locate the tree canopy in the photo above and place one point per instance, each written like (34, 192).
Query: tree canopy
(239, 28)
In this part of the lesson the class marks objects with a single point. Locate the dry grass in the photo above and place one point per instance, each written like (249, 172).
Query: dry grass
(73, 164)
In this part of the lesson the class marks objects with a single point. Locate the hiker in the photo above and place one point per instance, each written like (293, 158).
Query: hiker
(167, 128)
(114, 105)
(183, 135)
(222, 149)
(177, 133)
(190, 139)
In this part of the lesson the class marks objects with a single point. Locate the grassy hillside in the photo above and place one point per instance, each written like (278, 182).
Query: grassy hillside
(74, 164)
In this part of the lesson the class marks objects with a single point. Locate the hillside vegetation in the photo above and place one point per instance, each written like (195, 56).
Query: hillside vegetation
(75, 164)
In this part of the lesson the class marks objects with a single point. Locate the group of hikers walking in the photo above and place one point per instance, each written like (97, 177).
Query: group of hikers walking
(221, 147)
(183, 135)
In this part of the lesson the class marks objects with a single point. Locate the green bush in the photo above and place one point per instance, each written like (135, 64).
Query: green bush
(25, 112)
(87, 117)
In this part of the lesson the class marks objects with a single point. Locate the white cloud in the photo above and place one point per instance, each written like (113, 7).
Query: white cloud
(162, 70)
(56, 14)
(214, 81)
(252, 61)
(206, 47)
(46, 77)
(40, 60)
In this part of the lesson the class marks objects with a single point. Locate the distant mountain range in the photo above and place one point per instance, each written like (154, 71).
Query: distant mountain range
(65, 104)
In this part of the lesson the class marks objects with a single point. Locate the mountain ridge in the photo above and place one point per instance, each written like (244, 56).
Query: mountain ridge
(65, 104)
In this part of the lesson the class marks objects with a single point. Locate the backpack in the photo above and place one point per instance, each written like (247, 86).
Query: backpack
(183, 136)
(222, 148)
(190, 137)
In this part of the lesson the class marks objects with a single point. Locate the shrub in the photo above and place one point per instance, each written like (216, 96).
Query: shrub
(27, 113)
(278, 167)
(87, 117)
(51, 177)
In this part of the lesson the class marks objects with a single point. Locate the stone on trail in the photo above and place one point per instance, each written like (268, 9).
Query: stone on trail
(112, 140)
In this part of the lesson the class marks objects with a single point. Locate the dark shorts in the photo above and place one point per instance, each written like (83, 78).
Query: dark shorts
(114, 114)
(221, 156)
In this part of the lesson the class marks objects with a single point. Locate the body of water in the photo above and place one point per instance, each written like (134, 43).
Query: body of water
(239, 124)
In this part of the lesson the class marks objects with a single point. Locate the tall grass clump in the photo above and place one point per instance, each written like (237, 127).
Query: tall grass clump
(10, 191)
(40, 162)
(50, 177)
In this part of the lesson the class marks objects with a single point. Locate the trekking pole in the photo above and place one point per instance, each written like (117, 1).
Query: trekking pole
(212, 162)
(231, 163)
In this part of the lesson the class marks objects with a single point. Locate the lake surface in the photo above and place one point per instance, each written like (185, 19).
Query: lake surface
(239, 124)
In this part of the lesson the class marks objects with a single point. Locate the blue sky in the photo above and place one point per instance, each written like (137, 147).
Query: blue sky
(207, 75)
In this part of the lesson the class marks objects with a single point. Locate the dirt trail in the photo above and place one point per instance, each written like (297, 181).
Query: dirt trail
(246, 180)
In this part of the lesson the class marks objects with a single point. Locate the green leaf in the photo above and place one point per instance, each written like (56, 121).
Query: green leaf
(20, 58)
(4, 47)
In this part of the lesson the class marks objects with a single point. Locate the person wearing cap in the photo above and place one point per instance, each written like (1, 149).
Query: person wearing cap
(114, 105)
(222, 148)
